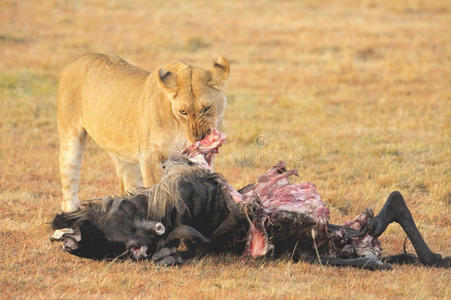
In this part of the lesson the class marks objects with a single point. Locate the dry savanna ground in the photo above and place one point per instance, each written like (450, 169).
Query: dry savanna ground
(355, 94)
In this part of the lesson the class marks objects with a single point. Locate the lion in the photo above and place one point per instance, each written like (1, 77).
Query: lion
(138, 117)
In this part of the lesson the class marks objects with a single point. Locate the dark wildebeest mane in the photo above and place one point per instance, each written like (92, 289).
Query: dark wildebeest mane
(186, 195)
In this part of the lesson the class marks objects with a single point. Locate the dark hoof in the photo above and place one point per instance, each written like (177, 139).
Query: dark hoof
(445, 262)
(167, 257)
(385, 266)
(376, 264)
(432, 259)
(401, 259)
(439, 262)
(168, 261)
(162, 253)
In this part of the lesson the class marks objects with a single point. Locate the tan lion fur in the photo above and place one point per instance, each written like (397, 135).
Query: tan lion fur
(138, 117)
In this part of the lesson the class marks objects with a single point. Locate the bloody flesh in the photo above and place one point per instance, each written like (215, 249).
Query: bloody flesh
(285, 209)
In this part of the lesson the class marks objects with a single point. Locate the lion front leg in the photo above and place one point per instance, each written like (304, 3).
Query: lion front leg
(150, 165)
(71, 151)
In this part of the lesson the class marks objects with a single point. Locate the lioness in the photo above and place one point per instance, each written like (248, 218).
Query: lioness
(137, 116)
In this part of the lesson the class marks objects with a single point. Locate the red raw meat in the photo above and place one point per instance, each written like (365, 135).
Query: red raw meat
(274, 202)
(202, 152)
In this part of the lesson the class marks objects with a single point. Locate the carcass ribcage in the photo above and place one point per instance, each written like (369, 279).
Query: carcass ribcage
(302, 199)
(298, 202)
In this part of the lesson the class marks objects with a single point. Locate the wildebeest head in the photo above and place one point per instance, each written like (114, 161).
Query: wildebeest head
(141, 236)
(105, 229)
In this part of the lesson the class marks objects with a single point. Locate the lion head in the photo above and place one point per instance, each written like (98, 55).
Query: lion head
(196, 95)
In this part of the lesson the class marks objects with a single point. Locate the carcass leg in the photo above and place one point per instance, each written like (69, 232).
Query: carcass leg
(361, 263)
(396, 210)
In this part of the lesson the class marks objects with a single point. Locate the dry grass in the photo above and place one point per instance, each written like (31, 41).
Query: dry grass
(355, 94)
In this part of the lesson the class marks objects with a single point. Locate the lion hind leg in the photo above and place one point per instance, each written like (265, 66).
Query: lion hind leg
(72, 147)
(128, 174)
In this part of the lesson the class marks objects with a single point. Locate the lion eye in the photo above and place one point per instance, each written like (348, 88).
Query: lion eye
(182, 112)
(205, 109)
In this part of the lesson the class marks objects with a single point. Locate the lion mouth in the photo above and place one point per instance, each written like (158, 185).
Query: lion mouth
(201, 152)
(203, 135)
(199, 137)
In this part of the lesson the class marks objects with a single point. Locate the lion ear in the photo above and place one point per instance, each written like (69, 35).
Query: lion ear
(219, 72)
(167, 81)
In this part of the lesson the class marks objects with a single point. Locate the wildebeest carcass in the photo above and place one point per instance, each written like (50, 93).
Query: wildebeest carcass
(193, 210)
